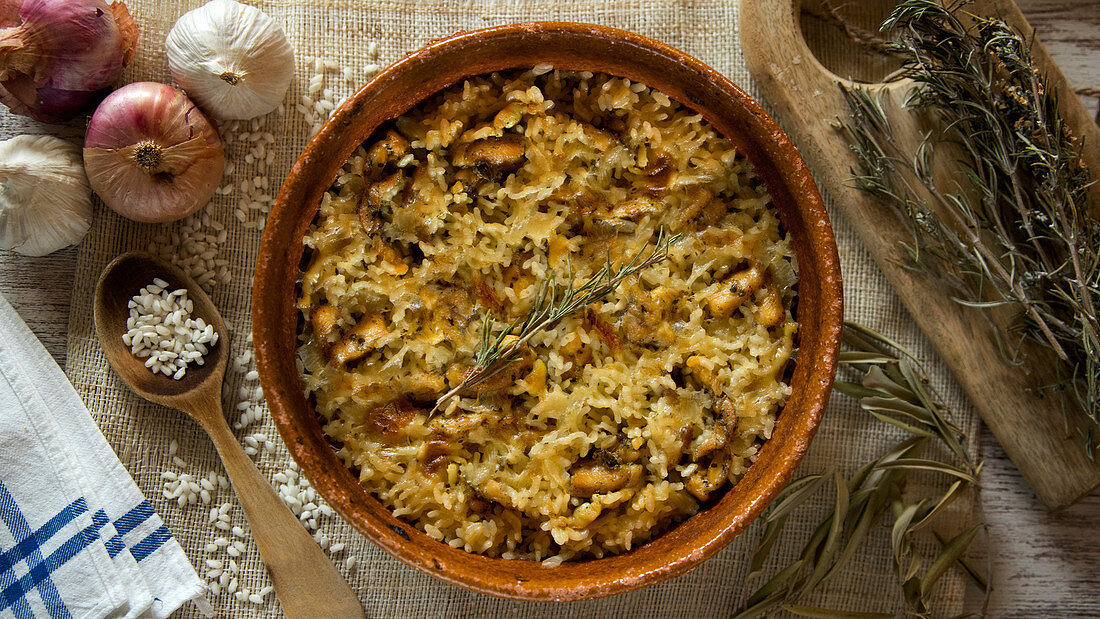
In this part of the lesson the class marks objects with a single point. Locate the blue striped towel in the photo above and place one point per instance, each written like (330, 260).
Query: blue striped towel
(77, 539)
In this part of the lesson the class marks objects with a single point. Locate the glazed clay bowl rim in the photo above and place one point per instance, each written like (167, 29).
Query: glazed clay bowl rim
(569, 46)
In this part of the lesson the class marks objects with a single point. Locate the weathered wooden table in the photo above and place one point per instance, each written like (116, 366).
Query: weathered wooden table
(1043, 563)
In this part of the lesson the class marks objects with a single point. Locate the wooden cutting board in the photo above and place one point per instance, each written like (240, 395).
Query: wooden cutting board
(806, 101)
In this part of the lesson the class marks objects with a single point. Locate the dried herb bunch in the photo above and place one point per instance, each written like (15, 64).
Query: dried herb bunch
(1018, 235)
(501, 345)
(893, 388)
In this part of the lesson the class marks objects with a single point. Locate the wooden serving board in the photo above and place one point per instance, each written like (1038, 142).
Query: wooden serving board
(806, 100)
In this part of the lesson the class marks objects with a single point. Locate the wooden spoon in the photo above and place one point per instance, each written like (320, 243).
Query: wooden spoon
(306, 581)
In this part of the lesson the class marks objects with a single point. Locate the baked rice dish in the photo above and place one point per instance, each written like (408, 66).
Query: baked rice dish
(627, 415)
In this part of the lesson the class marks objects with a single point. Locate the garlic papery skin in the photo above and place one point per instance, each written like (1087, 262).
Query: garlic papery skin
(232, 59)
(45, 202)
(151, 155)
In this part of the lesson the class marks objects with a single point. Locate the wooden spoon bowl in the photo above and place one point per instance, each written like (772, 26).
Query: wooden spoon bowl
(306, 582)
(122, 280)
(575, 47)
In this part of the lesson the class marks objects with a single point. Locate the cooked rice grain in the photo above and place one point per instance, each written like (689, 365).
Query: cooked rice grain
(624, 418)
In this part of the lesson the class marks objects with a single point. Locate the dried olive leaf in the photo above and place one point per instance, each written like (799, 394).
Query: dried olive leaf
(858, 356)
(954, 551)
(893, 392)
(761, 607)
(968, 569)
(869, 336)
(876, 379)
(957, 488)
(840, 509)
(929, 465)
(948, 430)
(828, 613)
(900, 530)
(777, 582)
(901, 424)
(857, 391)
(896, 406)
(764, 546)
(793, 496)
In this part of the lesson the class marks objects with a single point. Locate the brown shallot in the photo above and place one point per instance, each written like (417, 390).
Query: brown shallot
(151, 155)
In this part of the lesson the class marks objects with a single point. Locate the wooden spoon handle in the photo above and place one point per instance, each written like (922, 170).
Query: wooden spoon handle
(307, 583)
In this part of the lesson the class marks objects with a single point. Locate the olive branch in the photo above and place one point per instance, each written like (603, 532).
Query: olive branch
(893, 388)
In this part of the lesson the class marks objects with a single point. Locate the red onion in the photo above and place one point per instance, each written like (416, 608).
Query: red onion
(151, 155)
(59, 57)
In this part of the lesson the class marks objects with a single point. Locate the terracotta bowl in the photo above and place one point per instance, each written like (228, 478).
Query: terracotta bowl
(574, 47)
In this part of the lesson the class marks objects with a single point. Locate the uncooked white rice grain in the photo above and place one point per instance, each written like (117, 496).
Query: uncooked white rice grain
(160, 327)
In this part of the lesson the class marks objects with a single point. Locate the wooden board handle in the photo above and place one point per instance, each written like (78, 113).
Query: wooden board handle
(806, 100)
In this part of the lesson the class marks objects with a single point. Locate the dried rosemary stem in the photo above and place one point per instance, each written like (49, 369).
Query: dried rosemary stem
(1017, 232)
(546, 310)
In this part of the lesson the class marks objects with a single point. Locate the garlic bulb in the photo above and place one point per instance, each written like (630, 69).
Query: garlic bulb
(232, 59)
(45, 201)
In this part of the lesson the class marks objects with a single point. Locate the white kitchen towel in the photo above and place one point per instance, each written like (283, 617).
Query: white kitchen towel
(54, 562)
(79, 539)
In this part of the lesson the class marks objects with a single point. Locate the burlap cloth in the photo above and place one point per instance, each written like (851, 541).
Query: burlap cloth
(340, 31)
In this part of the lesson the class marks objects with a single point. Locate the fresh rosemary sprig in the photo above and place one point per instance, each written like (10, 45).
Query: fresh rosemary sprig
(894, 389)
(1018, 235)
(500, 347)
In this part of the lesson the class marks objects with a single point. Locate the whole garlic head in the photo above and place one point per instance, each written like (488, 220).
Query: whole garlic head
(45, 201)
(231, 59)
